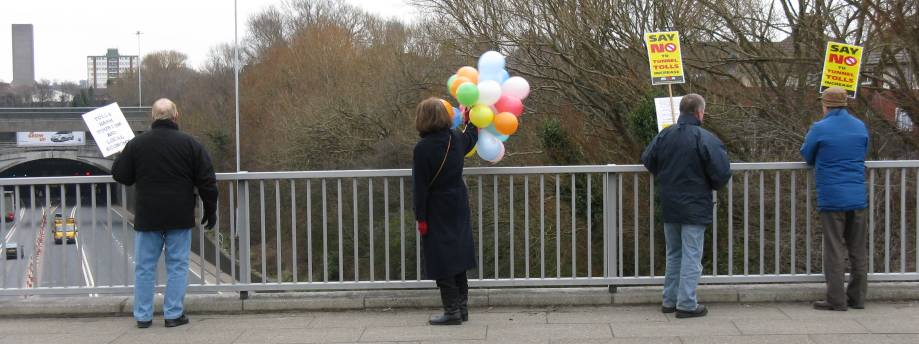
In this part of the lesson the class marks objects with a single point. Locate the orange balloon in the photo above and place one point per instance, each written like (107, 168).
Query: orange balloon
(470, 73)
(506, 123)
(456, 84)
(448, 107)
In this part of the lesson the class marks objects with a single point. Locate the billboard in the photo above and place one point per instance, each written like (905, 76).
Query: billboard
(50, 138)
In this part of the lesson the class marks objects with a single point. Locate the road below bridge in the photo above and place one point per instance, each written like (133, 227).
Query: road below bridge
(102, 254)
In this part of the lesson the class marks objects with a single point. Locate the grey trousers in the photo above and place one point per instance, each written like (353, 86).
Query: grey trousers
(844, 236)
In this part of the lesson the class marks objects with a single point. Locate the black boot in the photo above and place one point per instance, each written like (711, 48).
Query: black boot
(450, 299)
(464, 302)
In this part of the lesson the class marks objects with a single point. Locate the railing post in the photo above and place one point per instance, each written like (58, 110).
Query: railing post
(242, 231)
(610, 221)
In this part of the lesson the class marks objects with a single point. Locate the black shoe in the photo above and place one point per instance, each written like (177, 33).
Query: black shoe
(856, 306)
(453, 318)
(665, 309)
(144, 324)
(182, 320)
(700, 311)
(826, 306)
(450, 298)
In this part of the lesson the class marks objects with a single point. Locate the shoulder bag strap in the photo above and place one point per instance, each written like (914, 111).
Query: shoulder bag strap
(446, 153)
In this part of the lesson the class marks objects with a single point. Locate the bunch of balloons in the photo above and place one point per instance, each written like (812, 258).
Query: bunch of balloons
(494, 100)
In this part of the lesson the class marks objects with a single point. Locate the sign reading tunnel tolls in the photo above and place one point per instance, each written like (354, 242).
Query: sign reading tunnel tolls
(665, 57)
(841, 67)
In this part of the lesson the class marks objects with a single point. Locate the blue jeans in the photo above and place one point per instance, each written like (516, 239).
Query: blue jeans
(147, 249)
(684, 264)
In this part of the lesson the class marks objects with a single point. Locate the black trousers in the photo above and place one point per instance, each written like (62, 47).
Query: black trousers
(454, 292)
(844, 236)
(457, 281)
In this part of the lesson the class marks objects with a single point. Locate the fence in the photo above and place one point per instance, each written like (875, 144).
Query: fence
(533, 226)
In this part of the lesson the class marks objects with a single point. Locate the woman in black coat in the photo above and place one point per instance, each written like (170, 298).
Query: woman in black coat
(442, 206)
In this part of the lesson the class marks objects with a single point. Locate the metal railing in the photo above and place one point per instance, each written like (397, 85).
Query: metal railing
(533, 226)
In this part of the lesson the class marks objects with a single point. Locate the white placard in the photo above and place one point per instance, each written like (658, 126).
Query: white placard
(109, 128)
(666, 111)
(50, 138)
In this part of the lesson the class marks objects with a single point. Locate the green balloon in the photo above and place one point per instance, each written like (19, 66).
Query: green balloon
(450, 81)
(467, 94)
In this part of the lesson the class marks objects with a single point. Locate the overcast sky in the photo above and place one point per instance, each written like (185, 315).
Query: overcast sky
(66, 31)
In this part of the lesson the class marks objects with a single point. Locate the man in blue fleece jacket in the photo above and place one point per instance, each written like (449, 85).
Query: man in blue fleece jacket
(836, 146)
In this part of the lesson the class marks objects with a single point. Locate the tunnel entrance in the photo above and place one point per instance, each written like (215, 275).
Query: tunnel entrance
(57, 193)
(52, 168)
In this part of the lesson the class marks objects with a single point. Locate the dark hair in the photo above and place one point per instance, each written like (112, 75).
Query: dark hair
(692, 103)
(431, 116)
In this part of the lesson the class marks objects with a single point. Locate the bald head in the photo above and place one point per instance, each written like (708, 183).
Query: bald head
(164, 109)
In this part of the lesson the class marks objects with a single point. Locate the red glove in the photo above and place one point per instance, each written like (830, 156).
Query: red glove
(423, 228)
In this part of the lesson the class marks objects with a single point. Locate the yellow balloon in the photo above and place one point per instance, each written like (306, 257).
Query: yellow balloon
(472, 152)
(481, 116)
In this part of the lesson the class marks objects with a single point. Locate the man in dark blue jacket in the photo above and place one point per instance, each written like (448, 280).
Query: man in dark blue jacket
(836, 146)
(688, 163)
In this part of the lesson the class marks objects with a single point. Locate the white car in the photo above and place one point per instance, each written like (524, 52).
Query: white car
(62, 136)
(12, 251)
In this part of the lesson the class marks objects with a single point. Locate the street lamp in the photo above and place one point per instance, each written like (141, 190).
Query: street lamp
(236, 77)
(139, 77)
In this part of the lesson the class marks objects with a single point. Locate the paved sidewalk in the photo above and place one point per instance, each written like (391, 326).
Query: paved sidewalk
(784, 323)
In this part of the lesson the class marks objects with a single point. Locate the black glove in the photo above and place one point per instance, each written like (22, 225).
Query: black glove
(209, 220)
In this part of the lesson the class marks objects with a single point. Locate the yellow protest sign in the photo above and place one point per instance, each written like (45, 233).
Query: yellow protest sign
(841, 67)
(665, 57)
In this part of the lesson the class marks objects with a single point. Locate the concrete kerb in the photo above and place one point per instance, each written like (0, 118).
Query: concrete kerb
(229, 303)
(63, 307)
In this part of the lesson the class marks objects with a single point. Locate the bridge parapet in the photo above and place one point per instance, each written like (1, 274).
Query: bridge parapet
(535, 226)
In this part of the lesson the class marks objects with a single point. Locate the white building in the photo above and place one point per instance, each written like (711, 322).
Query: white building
(100, 69)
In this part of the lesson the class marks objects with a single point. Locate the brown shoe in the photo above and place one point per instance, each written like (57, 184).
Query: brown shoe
(826, 306)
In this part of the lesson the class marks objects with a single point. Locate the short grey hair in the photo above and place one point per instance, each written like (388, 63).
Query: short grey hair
(164, 109)
(692, 103)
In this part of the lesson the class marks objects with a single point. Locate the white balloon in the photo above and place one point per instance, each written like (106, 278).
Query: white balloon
(488, 147)
(489, 92)
(491, 62)
(500, 155)
(516, 87)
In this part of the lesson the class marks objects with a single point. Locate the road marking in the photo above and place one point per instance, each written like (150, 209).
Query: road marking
(87, 271)
(31, 275)
(15, 226)
(117, 241)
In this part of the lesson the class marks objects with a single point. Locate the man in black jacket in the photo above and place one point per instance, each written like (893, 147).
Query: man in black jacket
(688, 163)
(165, 166)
